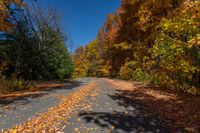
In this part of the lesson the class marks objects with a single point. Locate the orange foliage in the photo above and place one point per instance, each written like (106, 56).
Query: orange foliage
(4, 25)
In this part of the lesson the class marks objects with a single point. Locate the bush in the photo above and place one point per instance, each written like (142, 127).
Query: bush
(132, 71)
(10, 85)
(140, 75)
(126, 72)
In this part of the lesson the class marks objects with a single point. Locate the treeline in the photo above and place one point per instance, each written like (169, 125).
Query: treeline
(32, 45)
(155, 41)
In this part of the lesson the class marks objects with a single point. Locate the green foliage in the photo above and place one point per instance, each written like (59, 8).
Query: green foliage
(131, 71)
(140, 75)
(36, 52)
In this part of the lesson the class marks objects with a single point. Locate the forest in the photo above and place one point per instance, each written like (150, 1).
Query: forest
(140, 73)
(32, 45)
(151, 41)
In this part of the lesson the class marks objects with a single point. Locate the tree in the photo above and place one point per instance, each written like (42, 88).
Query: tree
(177, 48)
(155, 40)
(80, 63)
(5, 14)
(36, 49)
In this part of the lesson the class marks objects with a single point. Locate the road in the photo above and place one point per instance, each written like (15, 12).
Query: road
(17, 111)
(104, 112)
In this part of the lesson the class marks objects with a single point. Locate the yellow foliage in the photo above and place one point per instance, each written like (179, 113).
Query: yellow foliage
(194, 41)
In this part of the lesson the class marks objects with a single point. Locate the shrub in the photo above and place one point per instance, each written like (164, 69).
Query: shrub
(126, 71)
(132, 71)
(9, 85)
(140, 75)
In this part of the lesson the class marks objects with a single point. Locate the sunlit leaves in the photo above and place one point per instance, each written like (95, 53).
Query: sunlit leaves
(145, 17)
(176, 49)
(161, 36)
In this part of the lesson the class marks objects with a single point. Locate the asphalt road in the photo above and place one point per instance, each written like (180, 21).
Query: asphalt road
(108, 112)
(24, 108)
(112, 114)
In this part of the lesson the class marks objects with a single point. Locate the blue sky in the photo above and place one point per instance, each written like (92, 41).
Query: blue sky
(82, 18)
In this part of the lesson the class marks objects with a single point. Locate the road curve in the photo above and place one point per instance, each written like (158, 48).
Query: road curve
(103, 113)
(13, 112)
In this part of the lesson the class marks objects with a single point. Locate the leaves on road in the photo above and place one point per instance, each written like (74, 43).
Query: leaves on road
(180, 111)
(57, 116)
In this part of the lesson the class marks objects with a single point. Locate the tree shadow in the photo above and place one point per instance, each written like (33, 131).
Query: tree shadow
(136, 117)
(128, 98)
(26, 97)
(171, 107)
(58, 85)
(129, 121)
(66, 86)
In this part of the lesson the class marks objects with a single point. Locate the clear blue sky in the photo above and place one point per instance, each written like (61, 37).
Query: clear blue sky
(82, 18)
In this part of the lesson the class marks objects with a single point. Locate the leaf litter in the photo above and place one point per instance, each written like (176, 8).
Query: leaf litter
(57, 116)
(181, 112)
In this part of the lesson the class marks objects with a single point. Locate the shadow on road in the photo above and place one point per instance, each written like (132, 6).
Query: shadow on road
(62, 86)
(47, 88)
(11, 99)
(124, 122)
(172, 108)
(136, 117)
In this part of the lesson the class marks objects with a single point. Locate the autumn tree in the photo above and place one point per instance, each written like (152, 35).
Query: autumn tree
(176, 50)
(5, 13)
(155, 41)
(80, 63)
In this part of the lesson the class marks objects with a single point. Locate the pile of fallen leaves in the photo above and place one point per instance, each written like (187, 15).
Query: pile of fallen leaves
(56, 117)
(180, 111)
